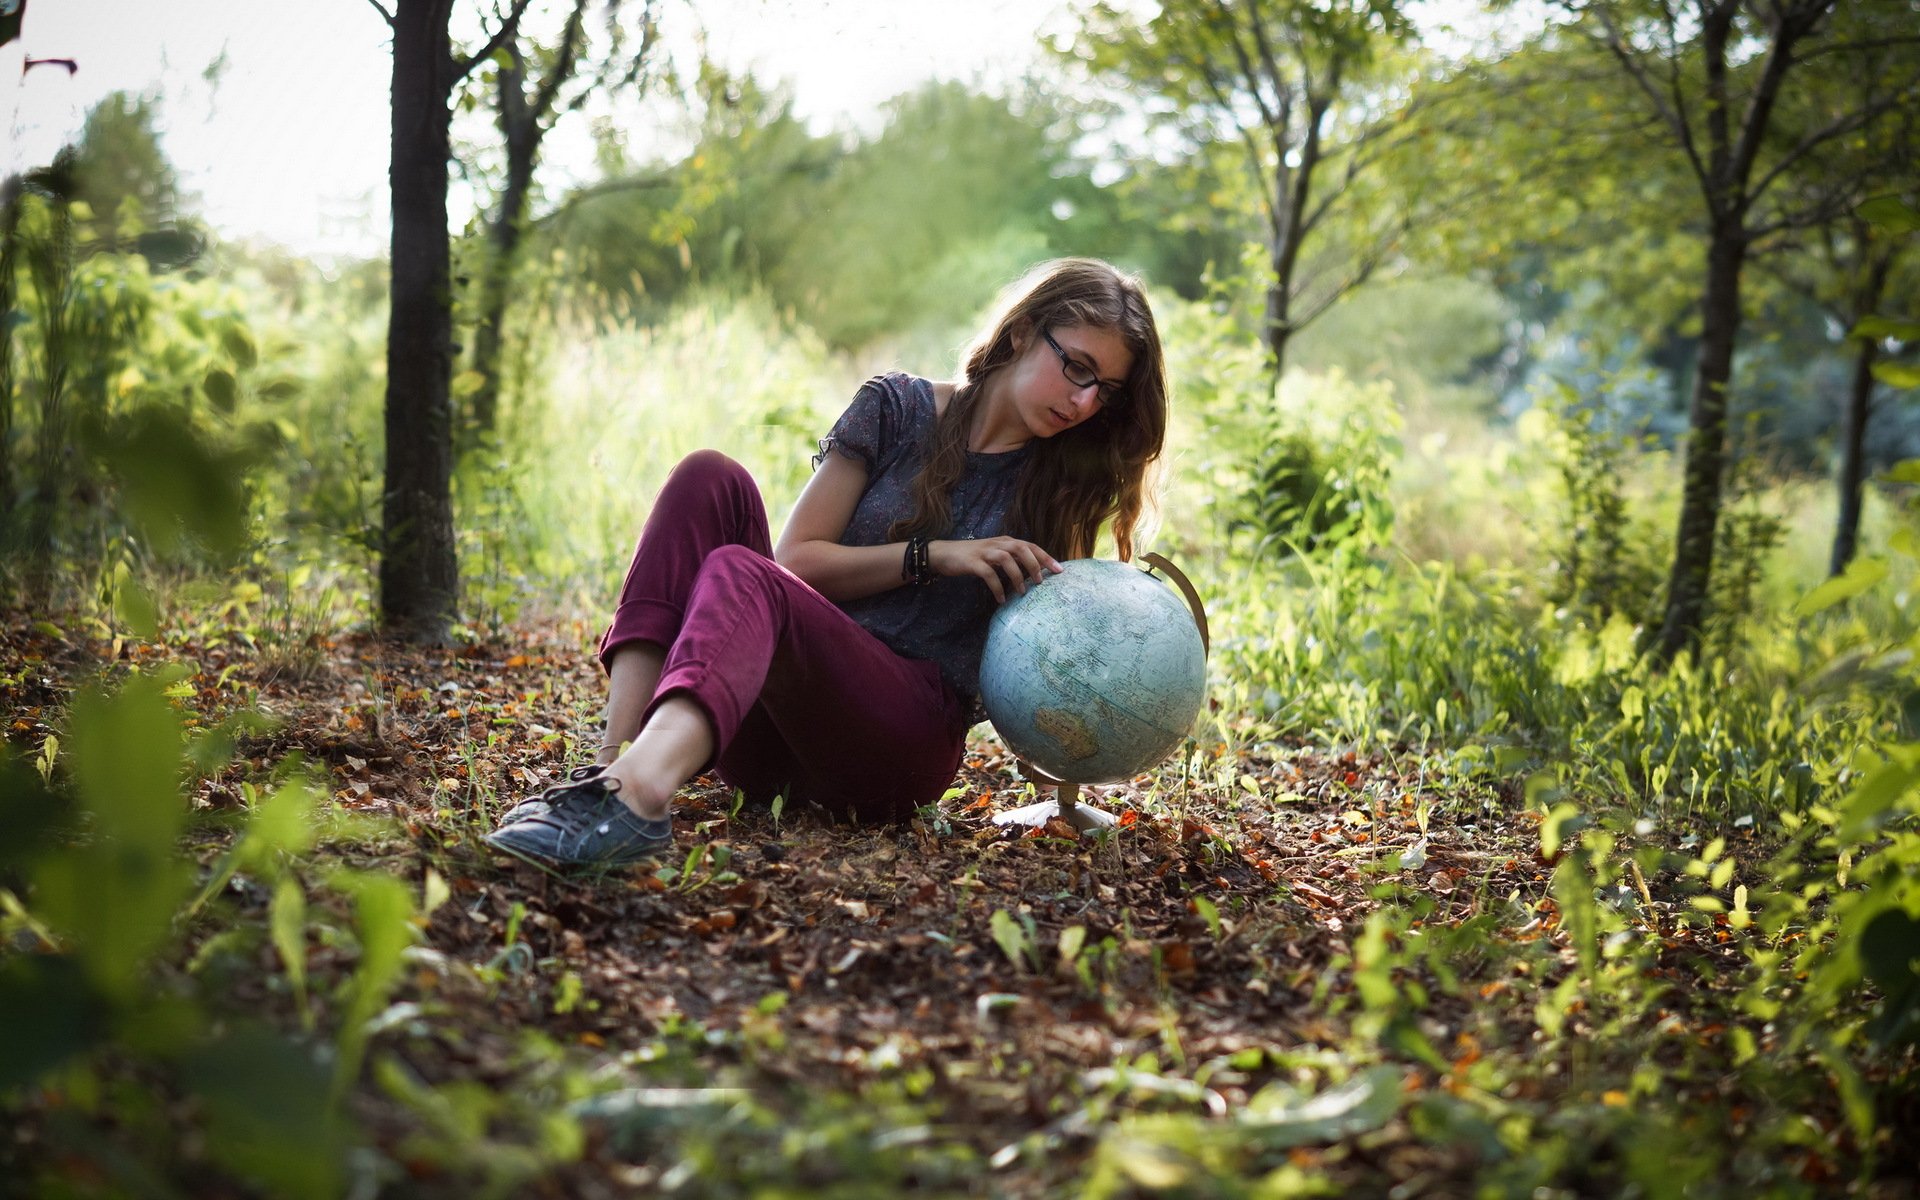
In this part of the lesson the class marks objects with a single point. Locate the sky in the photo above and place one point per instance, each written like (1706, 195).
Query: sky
(275, 113)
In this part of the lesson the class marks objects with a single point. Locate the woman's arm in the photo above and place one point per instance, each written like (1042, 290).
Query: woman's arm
(810, 545)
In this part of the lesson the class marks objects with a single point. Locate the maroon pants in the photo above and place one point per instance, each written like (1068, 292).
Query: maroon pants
(803, 700)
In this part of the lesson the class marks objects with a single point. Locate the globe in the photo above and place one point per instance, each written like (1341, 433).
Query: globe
(1094, 674)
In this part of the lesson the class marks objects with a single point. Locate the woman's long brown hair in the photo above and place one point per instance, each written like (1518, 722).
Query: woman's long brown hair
(1073, 482)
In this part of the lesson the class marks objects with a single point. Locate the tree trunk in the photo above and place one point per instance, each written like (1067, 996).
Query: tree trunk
(1852, 474)
(520, 127)
(10, 202)
(419, 568)
(1853, 422)
(1279, 323)
(1692, 571)
(1283, 252)
(53, 280)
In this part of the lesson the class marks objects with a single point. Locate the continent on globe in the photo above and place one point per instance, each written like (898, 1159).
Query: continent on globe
(1094, 674)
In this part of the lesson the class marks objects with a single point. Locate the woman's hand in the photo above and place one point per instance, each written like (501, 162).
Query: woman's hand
(999, 561)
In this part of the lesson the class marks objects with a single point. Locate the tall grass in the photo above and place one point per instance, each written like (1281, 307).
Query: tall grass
(1472, 621)
(553, 519)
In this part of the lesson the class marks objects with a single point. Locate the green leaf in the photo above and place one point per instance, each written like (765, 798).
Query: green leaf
(239, 345)
(51, 1014)
(1563, 821)
(1904, 471)
(1890, 949)
(1072, 939)
(288, 921)
(1862, 573)
(282, 824)
(1891, 213)
(270, 1119)
(1899, 375)
(221, 389)
(1281, 1117)
(116, 894)
(384, 911)
(433, 892)
(172, 480)
(1008, 935)
(1870, 804)
(1208, 913)
(1874, 328)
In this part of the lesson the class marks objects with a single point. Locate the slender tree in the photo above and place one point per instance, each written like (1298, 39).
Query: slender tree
(1851, 269)
(534, 85)
(1708, 78)
(11, 196)
(1842, 260)
(1305, 89)
(419, 566)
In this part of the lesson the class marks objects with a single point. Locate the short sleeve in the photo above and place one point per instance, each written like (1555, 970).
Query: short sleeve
(870, 428)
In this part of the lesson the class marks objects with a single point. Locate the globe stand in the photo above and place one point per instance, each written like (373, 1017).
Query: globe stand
(1065, 806)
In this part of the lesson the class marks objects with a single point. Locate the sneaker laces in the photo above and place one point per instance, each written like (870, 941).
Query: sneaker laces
(557, 794)
(567, 812)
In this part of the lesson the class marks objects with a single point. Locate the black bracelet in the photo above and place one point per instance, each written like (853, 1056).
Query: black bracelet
(916, 567)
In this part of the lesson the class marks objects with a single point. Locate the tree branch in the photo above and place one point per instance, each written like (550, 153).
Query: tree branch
(636, 64)
(1256, 161)
(1673, 114)
(1368, 264)
(509, 27)
(564, 64)
(1849, 47)
(1267, 115)
(1753, 123)
(1840, 126)
(1260, 43)
(384, 14)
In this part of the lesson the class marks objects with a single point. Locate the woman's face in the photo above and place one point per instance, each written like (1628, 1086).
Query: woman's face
(1048, 362)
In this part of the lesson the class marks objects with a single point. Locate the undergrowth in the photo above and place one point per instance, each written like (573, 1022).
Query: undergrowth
(1640, 929)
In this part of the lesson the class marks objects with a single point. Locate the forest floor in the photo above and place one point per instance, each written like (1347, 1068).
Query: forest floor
(949, 1004)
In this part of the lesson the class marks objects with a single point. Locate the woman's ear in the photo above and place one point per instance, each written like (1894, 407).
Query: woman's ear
(1022, 333)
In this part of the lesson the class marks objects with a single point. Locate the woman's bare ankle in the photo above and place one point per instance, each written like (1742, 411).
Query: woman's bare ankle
(641, 795)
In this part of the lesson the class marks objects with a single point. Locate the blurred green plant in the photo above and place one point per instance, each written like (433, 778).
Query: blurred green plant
(98, 901)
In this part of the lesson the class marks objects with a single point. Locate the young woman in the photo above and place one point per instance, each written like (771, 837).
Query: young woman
(840, 666)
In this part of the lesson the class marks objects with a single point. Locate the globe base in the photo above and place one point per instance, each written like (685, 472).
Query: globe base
(1065, 806)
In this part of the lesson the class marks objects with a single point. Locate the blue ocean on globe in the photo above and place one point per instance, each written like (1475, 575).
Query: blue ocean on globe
(1094, 674)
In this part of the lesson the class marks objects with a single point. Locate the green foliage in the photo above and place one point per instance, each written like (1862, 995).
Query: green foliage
(1305, 496)
(1435, 340)
(130, 190)
(1605, 561)
(104, 906)
(1737, 830)
(148, 425)
(1307, 470)
(952, 197)
(1310, 98)
(956, 196)
(558, 519)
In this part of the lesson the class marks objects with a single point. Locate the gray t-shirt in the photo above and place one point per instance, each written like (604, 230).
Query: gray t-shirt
(946, 621)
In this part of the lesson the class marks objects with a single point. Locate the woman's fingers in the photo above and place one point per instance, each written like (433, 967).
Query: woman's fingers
(998, 562)
(1013, 561)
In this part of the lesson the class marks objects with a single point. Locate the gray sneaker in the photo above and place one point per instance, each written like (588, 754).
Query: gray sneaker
(585, 825)
(534, 805)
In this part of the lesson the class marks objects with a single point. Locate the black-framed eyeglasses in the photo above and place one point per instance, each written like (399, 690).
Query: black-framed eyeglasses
(1081, 375)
